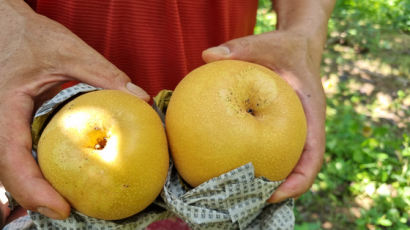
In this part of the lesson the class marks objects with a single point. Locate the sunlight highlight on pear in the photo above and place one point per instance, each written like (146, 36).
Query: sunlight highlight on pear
(110, 151)
(85, 126)
(77, 120)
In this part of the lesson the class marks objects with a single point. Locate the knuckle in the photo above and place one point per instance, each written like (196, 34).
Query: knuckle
(245, 43)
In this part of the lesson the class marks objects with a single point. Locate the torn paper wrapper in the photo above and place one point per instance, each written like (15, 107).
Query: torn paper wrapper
(234, 200)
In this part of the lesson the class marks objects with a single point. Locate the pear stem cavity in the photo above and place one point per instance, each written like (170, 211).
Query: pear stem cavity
(101, 142)
(251, 112)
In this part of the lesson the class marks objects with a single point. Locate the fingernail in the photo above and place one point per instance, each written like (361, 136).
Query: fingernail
(218, 50)
(50, 213)
(137, 91)
(278, 197)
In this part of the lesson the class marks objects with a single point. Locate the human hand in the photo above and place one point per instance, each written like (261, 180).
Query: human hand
(37, 56)
(297, 59)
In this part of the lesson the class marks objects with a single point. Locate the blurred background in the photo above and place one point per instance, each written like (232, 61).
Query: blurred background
(365, 179)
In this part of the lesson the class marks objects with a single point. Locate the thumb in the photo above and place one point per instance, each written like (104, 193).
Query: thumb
(216, 53)
(85, 64)
(98, 71)
(245, 48)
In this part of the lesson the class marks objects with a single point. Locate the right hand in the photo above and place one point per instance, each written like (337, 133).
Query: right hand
(36, 56)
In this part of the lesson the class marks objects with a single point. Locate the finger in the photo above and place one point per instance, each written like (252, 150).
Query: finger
(20, 173)
(97, 71)
(83, 63)
(300, 180)
(29, 188)
(216, 53)
(250, 48)
(310, 162)
(240, 48)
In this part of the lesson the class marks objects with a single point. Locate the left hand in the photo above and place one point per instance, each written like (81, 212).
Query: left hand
(296, 58)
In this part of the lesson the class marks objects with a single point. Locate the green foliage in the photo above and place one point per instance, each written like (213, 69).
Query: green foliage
(368, 160)
(266, 18)
(366, 169)
(364, 182)
(388, 14)
(361, 24)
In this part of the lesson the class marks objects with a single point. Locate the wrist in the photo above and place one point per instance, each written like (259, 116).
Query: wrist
(315, 40)
(306, 20)
(315, 35)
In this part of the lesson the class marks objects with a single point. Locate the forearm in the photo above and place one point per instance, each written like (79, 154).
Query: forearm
(306, 18)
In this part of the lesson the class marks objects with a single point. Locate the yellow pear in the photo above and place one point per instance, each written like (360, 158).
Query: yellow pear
(106, 153)
(228, 113)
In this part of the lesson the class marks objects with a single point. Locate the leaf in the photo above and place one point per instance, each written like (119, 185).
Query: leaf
(384, 222)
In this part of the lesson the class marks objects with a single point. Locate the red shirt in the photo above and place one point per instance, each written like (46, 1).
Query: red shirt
(156, 43)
